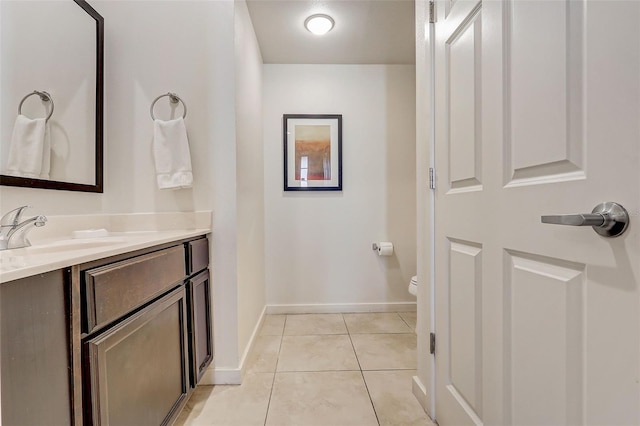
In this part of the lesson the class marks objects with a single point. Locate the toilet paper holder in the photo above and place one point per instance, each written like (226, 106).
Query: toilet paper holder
(384, 248)
(375, 246)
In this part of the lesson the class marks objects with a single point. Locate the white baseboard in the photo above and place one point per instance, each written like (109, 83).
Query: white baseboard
(340, 308)
(420, 392)
(233, 376)
(221, 376)
(252, 340)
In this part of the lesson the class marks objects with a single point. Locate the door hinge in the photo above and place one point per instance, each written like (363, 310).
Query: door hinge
(432, 178)
(432, 343)
(432, 12)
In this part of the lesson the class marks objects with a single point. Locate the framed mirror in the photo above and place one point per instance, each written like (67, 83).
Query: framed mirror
(55, 49)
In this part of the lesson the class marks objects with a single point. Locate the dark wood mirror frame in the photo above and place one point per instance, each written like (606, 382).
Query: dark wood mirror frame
(69, 186)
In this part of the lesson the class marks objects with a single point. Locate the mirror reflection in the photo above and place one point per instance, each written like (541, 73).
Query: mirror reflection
(50, 128)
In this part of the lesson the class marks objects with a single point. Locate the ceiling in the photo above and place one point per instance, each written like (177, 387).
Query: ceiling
(365, 31)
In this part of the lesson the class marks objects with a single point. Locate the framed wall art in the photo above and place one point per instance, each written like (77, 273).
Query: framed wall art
(312, 152)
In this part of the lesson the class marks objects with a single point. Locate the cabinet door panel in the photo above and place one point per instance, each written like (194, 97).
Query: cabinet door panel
(138, 369)
(200, 325)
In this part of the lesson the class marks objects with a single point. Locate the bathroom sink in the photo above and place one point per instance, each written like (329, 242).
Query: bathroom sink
(75, 244)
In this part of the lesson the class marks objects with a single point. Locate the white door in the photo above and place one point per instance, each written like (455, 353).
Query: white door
(537, 113)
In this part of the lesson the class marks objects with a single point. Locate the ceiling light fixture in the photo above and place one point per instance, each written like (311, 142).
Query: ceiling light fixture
(319, 24)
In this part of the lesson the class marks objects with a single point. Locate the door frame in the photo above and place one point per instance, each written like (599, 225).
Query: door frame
(424, 384)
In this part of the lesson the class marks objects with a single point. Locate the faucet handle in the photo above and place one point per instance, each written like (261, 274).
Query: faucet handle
(40, 220)
(13, 217)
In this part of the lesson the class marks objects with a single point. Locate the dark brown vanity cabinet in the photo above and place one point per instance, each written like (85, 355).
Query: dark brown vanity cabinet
(147, 334)
(116, 341)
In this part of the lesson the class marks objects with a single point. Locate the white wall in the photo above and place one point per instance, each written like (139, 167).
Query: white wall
(319, 243)
(249, 176)
(152, 48)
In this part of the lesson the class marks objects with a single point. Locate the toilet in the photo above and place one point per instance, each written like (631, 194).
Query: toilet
(413, 285)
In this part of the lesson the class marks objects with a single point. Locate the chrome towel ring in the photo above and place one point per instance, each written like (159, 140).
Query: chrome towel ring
(174, 100)
(44, 97)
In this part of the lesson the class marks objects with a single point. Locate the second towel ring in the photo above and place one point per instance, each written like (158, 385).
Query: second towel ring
(174, 100)
(44, 97)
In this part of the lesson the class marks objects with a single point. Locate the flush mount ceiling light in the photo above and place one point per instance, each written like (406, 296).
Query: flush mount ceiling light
(319, 24)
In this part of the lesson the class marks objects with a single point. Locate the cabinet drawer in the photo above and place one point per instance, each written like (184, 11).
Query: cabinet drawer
(198, 255)
(114, 290)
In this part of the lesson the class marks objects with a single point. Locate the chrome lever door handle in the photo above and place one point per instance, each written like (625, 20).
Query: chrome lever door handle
(595, 219)
(607, 219)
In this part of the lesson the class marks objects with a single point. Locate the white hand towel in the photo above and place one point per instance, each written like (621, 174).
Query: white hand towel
(172, 156)
(30, 150)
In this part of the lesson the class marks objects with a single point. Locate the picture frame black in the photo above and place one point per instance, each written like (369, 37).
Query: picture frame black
(312, 152)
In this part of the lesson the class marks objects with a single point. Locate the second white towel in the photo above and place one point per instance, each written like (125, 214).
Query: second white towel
(30, 150)
(172, 155)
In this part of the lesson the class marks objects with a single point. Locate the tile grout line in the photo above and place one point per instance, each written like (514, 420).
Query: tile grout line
(408, 325)
(316, 334)
(275, 371)
(375, 412)
(342, 371)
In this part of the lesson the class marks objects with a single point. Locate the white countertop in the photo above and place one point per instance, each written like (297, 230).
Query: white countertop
(58, 250)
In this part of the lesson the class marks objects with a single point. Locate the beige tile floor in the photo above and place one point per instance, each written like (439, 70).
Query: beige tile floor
(320, 369)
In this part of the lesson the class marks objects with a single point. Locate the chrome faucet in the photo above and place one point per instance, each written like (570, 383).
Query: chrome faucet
(13, 230)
